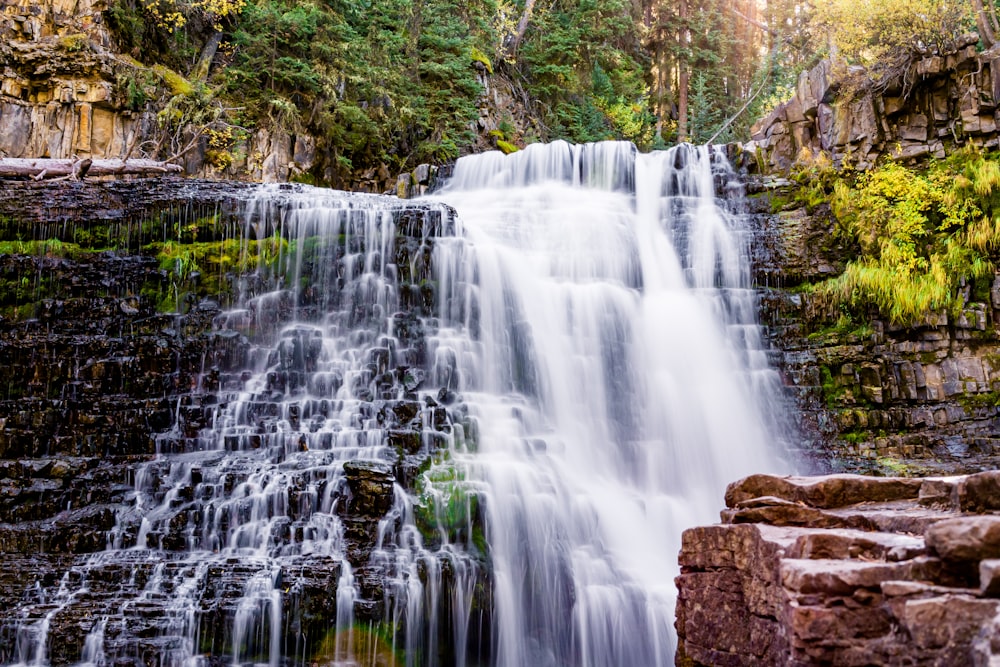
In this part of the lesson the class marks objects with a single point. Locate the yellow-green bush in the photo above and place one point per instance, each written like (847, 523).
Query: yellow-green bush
(921, 235)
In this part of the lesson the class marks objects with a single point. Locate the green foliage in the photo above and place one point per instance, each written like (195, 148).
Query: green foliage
(704, 117)
(447, 506)
(393, 82)
(878, 33)
(922, 235)
(989, 399)
(46, 248)
(583, 62)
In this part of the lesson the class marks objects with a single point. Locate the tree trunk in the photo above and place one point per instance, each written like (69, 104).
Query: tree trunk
(204, 64)
(984, 23)
(52, 168)
(682, 74)
(522, 27)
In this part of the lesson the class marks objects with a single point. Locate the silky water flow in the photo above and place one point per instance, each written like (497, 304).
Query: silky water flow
(429, 439)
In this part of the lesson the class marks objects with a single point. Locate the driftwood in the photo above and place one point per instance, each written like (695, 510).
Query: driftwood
(39, 168)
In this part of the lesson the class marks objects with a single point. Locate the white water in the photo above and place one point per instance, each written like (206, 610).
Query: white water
(606, 342)
(595, 319)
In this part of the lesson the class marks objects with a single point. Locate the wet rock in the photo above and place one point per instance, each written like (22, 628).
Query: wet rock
(823, 492)
(371, 485)
(979, 492)
(107, 399)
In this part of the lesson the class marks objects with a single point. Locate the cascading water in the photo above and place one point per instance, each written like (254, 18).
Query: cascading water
(608, 348)
(433, 441)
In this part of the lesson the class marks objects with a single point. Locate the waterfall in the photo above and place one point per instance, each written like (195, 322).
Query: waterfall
(605, 329)
(428, 439)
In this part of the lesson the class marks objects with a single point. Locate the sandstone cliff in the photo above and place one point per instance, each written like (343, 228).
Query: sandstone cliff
(65, 91)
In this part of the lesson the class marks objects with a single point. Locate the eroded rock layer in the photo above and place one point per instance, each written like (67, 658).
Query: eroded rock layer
(845, 570)
(117, 368)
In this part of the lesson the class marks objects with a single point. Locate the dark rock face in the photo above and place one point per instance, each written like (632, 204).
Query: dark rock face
(842, 570)
(118, 480)
(920, 399)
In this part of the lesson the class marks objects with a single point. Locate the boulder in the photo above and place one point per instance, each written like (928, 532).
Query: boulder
(979, 492)
(967, 538)
(823, 492)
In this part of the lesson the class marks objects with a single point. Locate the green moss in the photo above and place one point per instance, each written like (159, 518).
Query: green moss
(176, 83)
(844, 327)
(74, 42)
(507, 147)
(47, 248)
(362, 643)
(990, 399)
(480, 57)
(893, 467)
(833, 393)
(447, 506)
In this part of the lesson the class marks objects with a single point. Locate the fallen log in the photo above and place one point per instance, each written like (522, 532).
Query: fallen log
(39, 168)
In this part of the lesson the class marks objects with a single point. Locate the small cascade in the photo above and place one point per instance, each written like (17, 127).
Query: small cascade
(428, 440)
(272, 526)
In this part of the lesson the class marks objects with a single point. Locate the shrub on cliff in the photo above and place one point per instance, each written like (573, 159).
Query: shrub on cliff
(923, 235)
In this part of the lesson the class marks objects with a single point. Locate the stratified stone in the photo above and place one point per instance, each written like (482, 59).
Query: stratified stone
(968, 538)
(759, 593)
(823, 492)
(371, 484)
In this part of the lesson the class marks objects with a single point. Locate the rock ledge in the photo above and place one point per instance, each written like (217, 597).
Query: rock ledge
(845, 570)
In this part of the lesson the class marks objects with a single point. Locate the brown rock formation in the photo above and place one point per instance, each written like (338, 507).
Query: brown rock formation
(941, 101)
(63, 94)
(843, 570)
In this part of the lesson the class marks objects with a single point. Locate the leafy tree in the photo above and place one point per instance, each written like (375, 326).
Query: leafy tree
(884, 35)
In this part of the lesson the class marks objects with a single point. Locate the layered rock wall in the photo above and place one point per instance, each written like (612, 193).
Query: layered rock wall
(844, 570)
(941, 101)
(97, 383)
(872, 396)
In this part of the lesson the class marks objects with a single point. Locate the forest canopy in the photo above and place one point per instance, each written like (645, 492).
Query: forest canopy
(397, 82)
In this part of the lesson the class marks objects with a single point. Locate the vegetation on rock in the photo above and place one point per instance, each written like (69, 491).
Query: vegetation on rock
(925, 234)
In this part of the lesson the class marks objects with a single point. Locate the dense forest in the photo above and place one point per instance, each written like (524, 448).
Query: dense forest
(398, 82)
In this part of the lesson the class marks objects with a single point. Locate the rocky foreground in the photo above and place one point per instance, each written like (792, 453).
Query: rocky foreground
(845, 570)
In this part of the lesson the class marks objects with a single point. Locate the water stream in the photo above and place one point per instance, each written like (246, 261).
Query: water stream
(618, 378)
(431, 440)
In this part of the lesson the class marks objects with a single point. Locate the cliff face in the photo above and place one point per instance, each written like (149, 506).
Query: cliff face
(942, 101)
(844, 570)
(873, 396)
(109, 362)
(64, 91)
